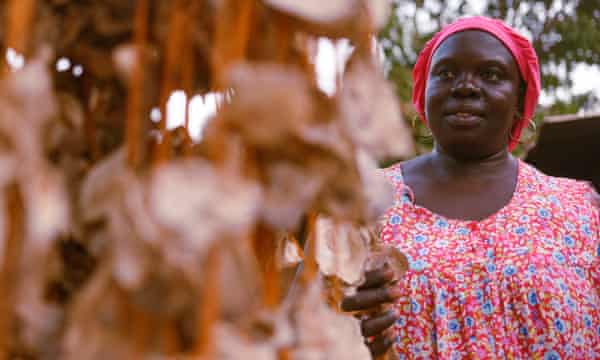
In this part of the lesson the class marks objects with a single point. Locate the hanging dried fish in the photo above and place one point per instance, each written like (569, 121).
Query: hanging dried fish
(123, 240)
(371, 114)
(336, 18)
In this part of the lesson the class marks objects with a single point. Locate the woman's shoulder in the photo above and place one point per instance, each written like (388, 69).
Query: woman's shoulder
(395, 174)
(565, 189)
(397, 171)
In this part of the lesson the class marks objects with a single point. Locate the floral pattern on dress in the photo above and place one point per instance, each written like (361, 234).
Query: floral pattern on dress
(523, 283)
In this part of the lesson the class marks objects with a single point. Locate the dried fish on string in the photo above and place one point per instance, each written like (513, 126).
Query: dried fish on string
(336, 18)
(27, 96)
(197, 205)
(154, 234)
(289, 251)
(165, 256)
(340, 339)
(371, 114)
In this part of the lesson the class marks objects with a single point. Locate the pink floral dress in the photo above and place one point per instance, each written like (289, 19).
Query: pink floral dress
(522, 284)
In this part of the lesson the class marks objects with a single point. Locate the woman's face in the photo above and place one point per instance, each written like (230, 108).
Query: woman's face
(472, 95)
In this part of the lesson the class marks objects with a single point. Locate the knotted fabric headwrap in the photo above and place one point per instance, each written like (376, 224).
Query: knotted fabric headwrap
(520, 48)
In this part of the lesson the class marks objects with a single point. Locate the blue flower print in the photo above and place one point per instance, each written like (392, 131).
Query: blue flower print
(492, 341)
(490, 253)
(418, 265)
(423, 251)
(554, 200)
(487, 308)
(560, 325)
(520, 230)
(531, 269)
(415, 307)
(479, 294)
(469, 322)
(598, 251)
(453, 325)
(524, 218)
(420, 238)
(569, 241)
(551, 355)
(568, 350)
(562, 286)
(462, 231)
(401, 322)
(522, 251)
(490, 267)
(532, 297)
(441, 344)
(442, 224)
(544, 213)
(440, 310)
(421, 227)
(598, 330)
(559, 257)
(395, 220)
(523, 331)
(585, 229)
(509, 270)
(441, 243)
(587, 320)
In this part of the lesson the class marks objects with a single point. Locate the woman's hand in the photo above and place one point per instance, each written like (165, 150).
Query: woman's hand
(378, 290)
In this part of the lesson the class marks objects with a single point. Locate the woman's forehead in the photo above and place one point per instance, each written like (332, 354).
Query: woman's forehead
(474, 45)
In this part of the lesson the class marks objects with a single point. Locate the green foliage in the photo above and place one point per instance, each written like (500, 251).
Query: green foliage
(565, 33)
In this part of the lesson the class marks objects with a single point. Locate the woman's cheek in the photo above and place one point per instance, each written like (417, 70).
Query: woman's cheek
(434, 95)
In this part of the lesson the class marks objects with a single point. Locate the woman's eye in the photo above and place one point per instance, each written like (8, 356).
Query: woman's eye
(446, 74)
(491, 75)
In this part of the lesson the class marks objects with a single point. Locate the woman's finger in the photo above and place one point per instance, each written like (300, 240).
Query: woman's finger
(377, 278)
(380, 345)
(376, 325)
(368, 299)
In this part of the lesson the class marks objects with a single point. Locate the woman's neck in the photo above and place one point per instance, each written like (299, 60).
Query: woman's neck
(446, 165)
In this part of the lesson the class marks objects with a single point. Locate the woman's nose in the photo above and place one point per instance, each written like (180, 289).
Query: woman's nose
(465, 87)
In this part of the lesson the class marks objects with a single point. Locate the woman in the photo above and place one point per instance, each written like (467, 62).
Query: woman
(504, 259)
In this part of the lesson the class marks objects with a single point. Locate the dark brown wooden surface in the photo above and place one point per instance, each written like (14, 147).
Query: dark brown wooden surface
(569, 146)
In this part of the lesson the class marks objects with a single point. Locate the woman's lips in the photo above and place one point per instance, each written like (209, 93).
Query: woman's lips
(463, 120)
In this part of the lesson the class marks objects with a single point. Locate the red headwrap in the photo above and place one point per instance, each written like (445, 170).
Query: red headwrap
(519, 46)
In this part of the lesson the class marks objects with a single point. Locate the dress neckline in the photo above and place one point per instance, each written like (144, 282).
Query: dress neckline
(515, 195)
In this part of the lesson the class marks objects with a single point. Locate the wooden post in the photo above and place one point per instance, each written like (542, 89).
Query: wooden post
(11, 260)
(134, 141)
(207, 313)
(19, 19)
(172, 49)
